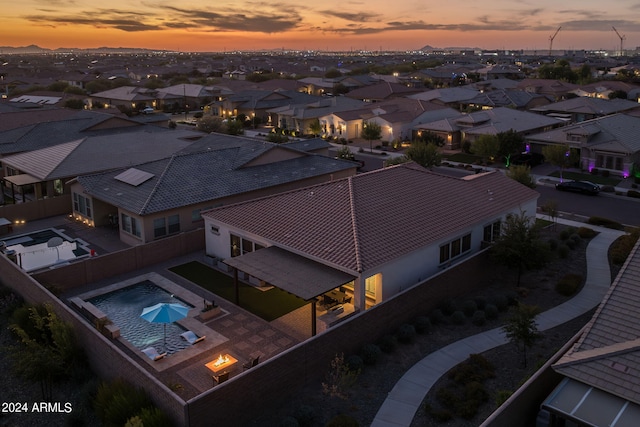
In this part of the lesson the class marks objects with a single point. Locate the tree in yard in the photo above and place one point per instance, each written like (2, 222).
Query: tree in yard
(521, 328)
(371, 131)
(345, 153)
(560, 155)
(426, 155)
(522, 174)
(551, 209)
(315, 128)
(432, 138)
(510, 142)
(396, 161)
(519, 246)
(486, 146)
(74, 103)
(210, 124)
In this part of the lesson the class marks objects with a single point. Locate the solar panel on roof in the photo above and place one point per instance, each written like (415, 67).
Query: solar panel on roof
(134, 176)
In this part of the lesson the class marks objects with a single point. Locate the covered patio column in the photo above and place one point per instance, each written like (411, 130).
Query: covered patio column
(359, 298)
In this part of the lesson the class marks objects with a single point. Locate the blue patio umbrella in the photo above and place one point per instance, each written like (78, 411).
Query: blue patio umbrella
(164, 313)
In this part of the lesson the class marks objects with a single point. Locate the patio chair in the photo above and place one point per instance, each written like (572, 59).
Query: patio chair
(153, 354)
(220, 378)
(191, 337)
(251, 363)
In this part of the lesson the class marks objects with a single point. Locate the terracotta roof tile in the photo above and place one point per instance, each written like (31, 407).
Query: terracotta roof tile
(364, 221)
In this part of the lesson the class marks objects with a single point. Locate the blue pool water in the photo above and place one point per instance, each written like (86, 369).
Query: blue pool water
(124, 306)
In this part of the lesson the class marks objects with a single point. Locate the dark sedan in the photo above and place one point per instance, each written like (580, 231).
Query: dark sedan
(584, 187)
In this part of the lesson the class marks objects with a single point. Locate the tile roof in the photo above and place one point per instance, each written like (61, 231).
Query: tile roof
(99, 153)
(589, 105)
(607, 355)
(200, 176)
(361, 222)
(619, 131)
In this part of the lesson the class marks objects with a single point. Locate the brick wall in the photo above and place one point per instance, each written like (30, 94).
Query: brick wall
(101, 267)
(37, 209)
(249, 396)
(106, 360)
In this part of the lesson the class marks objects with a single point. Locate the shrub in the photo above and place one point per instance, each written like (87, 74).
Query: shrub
(448, 307)
(154, 417)
(458, 318)
(479, 318)
(406, 333)
(512, 297)
(422, 324)
(553, 244)
(342, 420)
(388, 343)
(502, 396)
(469, 307)
(605, 222)
(564, 234)
(569, 284)
(355, 363)
(370, 354)
(594, 171)
(501, 302)
(481, 302)
(437, 317)
(491, 311)
(117, 401)
(563, 251)
(304, 414)
(571, 244)
(575, 237)
(633, 193)
(586, 232)
(621, 248)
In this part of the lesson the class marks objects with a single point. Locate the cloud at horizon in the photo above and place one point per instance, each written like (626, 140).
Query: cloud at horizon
(406, 24)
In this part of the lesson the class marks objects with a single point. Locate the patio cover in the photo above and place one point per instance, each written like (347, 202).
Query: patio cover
(22, 179)
(582, 403)
(290, 272)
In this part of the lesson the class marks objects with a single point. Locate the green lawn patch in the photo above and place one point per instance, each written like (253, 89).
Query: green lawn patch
(596, 179)
(268, 305)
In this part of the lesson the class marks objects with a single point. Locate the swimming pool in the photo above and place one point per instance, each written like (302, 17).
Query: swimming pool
(37, 250)
(124, 306)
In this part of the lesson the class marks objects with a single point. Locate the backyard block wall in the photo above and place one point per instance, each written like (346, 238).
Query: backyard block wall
(104, 266)
(106, 360)
(247, 396)
(37, 209)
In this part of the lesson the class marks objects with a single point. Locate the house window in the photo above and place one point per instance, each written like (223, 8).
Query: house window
(491, 232)
(215, 230)
(131, 225)
(173, 223)
(235, 245)
(159, 227)
(619, 163)
(371, 283)
(82, 205)
(247, 246)
(455, 248)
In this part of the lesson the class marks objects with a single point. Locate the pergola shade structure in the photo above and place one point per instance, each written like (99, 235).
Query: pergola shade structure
(290, 272)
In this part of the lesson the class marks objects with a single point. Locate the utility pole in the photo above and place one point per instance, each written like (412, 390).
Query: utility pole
(551, 40)
(621, 40)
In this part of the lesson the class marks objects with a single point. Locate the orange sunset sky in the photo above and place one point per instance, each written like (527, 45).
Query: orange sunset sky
(224, 25)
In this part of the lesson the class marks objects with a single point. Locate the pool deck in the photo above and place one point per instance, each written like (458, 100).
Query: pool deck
(236, 331)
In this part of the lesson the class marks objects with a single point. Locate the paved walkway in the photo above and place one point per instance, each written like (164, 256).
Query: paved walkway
(407, 395)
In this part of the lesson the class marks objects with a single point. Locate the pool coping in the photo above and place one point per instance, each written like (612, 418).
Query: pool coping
(212, 337)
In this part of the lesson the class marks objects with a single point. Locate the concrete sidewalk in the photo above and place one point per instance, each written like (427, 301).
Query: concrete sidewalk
(407, 395)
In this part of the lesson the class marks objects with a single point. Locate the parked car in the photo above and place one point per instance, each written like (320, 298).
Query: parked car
(148, 110)
(584, 187)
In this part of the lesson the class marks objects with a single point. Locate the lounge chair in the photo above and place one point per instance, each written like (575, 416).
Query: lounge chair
(220, 378)
(191, 338)
(153, 354)
(252, 363)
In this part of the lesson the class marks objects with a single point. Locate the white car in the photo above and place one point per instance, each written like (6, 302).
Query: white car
(148, 110)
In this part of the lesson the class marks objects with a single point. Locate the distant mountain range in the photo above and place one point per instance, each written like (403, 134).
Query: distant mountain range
(33, 49)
